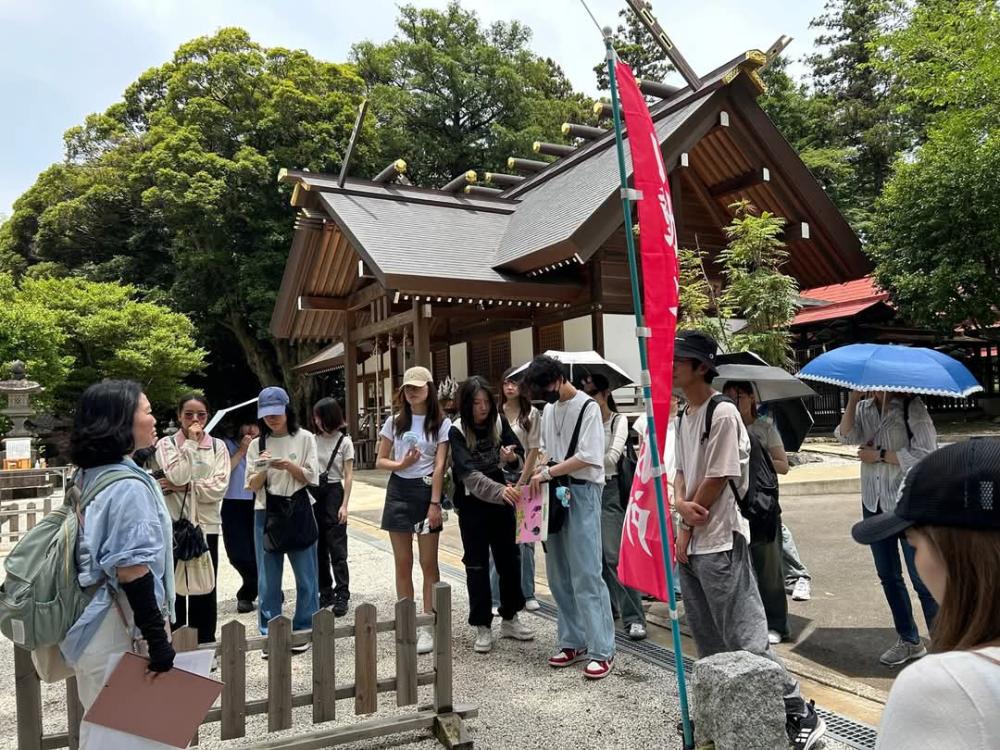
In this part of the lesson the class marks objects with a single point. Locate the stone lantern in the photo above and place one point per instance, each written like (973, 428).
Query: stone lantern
(18, 390)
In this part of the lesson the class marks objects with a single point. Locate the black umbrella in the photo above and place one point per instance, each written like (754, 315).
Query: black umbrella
(792, 419)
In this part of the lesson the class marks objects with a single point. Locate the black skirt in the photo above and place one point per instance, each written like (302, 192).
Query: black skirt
(406, 504)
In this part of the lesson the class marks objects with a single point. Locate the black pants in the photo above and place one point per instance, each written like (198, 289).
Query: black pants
(766, 560)
(200, 612)
(237, 535)
(487, 527)
(331, 547)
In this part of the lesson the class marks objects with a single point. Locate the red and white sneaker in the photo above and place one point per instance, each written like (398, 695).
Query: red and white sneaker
(598, 670)
(567, 657)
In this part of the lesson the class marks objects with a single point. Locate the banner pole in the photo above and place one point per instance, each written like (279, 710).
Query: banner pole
(654, 450)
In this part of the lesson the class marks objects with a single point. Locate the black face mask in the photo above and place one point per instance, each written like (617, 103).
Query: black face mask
(550, 397)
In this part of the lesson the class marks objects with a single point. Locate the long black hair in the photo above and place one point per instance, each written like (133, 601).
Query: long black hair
(466, 400)
(329, 414)
(103, 427)
(293, 422)
(603, 386)
(523, 402)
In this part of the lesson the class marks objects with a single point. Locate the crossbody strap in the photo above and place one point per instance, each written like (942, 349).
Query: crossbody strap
(333, 455)
(571, 451)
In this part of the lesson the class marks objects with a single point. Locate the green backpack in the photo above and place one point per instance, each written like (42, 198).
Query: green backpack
(41, 598)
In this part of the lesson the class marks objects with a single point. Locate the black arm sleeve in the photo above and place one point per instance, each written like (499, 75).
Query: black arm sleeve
(141, 596)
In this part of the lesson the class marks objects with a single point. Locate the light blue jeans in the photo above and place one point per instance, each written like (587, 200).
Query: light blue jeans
(527, 574)
(573, 564)
(270, 567)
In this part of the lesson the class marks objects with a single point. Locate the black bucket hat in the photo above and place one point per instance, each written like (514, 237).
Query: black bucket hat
(957, 486)
(697, 346)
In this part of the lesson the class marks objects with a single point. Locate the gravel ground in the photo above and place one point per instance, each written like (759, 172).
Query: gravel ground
(521, 701)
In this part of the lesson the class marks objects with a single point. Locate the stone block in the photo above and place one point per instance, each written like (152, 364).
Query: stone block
(737, 702)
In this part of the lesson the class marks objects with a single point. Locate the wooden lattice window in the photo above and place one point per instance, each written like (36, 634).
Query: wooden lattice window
(440, 364)
(490, 357)
(550, 337)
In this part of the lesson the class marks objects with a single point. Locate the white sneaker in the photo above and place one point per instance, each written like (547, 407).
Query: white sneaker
(532, 605)
(636, 631)
(484, 640)
(496, 611)
(802, 592)
(425, 640)
(774, 637)
(514, 628)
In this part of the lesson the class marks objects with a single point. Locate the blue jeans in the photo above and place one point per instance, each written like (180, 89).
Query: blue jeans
(270, 566)
(890, 573)
(573, 563)
(527, 574)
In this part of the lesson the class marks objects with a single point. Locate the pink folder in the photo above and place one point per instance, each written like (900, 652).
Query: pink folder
(167, 707)
(532, 515)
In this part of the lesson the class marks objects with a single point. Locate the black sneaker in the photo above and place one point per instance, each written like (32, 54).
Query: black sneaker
(244, 605)
(326, 598)
(805, 731)
(340, 607)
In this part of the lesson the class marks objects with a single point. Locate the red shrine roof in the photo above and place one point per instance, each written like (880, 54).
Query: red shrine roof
(839, 300)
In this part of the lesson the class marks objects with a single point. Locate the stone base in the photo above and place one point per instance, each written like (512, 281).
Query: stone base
(738, 702)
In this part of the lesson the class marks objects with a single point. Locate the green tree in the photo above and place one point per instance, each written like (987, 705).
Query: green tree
(699, 307)
(31, 332)
(637, 47)
(862, 115)
(450, 95)
(173, 188)
(111, 334)
(755, 288)
(934, 239)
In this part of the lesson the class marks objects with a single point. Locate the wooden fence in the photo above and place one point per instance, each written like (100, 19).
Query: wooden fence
(443, 717)
(26, 496)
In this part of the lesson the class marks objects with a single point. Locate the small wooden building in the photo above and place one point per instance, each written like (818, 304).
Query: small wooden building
(471, 279)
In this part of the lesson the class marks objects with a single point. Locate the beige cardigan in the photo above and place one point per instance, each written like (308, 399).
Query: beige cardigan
(203, 468)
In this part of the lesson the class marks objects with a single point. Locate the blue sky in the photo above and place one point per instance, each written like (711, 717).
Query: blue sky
(64, 60)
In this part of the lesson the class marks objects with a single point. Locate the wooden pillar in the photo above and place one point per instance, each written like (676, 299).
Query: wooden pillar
(596, 310)
(350, 376)
(391, 351)
(421, 337)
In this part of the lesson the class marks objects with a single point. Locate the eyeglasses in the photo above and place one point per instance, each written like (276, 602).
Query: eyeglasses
(195, 415)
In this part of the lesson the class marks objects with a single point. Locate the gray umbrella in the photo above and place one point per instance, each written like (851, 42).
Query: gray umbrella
(779, 392)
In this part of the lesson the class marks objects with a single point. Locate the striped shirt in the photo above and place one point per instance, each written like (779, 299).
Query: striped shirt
(880, 481)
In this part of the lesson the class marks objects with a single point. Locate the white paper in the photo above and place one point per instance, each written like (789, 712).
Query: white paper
(197, 662)
(217, 417)
(17, 448)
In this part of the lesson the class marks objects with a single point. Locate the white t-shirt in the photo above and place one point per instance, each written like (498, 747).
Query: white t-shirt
(558, 421)
(949, 700)
(726, 453)
(424, 465)
(299, 448)
(325, 445)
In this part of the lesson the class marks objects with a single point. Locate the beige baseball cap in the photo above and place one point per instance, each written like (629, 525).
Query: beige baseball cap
(417, 376)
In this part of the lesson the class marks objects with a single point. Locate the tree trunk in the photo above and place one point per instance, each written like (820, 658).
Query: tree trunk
(303, 390)
(258, 354)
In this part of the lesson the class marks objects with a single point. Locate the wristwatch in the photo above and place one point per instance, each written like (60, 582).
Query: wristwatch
(881, 455)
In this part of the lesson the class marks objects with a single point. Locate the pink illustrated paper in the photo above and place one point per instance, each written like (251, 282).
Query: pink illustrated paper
(532, 515)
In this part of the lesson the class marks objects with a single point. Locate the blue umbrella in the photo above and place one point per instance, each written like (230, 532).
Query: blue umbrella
(885, 367)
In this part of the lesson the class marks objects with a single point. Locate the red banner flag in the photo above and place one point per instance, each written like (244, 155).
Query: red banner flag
(641, 563)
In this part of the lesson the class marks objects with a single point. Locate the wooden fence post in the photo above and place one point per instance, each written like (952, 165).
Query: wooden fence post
(74, 714)
(234, 679)
(365, 660)
(279, 674)
(406, 652)
(442, 647)
(324, 667)
(28, 696)
(185, 639)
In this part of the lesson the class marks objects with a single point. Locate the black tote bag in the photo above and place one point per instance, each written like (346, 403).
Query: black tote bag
(290, 524)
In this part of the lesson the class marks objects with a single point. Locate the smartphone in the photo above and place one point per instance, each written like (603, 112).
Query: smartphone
(158, 474)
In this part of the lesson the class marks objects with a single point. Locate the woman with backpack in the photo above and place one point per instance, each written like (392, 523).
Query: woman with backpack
(948, 511)
(335, 457)
(894, 431)
(281, 464)
(765, 555)
(125, 544)
(195, 470)
(624, 600)
(482, 446)
(414, 449)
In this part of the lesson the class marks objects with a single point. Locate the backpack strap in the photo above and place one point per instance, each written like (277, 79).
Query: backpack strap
(99, 485)
(907, 400)
(576, 429)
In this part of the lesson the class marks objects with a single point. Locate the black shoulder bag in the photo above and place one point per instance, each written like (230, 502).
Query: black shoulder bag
(189, 539)
(557, 513)
(289, 524)
(626, 465)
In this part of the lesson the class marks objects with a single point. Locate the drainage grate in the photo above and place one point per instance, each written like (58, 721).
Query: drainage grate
(853, 734)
